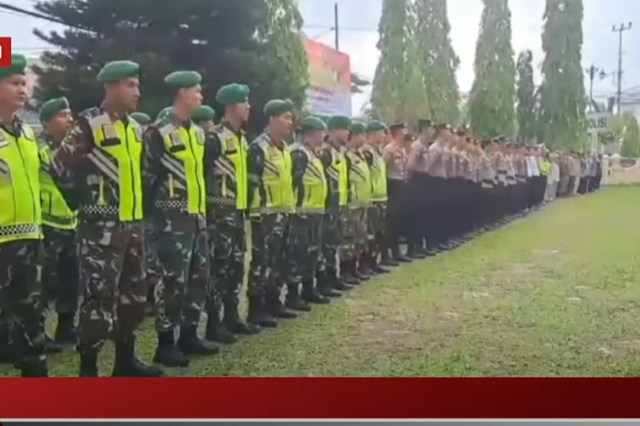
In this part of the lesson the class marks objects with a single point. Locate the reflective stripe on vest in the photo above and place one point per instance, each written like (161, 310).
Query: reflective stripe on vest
(338, 172)
(55, 211)
(314, 182)
(359, 180)
(183, 161)
(231, 169)
(274, 194)
(20, 214)
(117, 158)
(378, 176)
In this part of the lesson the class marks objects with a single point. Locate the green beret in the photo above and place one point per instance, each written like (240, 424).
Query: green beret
(50, 108)
(312, 124)
(18, 66)
(232, 94)
(183, 79)
(278, 107)
(141, 118)
(376, 126)
(357, 127)
(118, 70)
(204, 113)
(164, 113)
(339, 122)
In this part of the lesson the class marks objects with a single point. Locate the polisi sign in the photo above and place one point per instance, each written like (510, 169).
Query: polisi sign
(598, 122)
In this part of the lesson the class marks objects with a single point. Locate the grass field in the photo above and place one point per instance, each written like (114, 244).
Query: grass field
(555, 294)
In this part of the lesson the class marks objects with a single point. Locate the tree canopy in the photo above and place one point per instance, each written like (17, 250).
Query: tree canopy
(437, 60)
(492, 98)
(562, 92)
(526, 110)
(257, 43)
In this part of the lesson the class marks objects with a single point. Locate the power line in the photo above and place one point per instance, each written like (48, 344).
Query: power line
(7, 7)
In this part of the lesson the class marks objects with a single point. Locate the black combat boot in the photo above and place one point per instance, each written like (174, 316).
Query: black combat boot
(257, 313)
(377, 267)
(364, 265)
(346, 271)
(191, 345)
(386, 260)
(66, 330)
(216, 331)
(414, 252)
(234, 324)
(275, 307)
(34, 367)
(88, 363)
(128, 365)
(294, 301)
(167, 352)
(324, 286)
(357, 271)
(312, 295)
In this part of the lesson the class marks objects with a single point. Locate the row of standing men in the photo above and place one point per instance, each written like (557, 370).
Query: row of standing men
(134, 206)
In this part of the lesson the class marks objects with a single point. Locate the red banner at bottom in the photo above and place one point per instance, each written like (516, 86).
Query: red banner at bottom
(319, 398)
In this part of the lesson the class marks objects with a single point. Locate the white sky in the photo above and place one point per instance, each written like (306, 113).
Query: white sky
(359, 20)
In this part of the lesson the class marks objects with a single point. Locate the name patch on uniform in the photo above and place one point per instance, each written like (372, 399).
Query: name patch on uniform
(231, 144)
(176, 138)
(109, 131)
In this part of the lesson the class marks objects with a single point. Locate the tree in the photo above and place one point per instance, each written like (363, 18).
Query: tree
(562, 92)
(492, 98)
(392, 71)
(625, 128)
(526, 110)
(253, 43)
(437, 60)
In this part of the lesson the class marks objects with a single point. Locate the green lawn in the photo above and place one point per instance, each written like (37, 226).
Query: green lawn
(555, 294)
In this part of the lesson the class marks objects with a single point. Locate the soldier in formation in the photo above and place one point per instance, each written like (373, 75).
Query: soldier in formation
(152, 214)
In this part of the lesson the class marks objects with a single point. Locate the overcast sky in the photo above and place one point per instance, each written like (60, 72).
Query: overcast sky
(359, 20)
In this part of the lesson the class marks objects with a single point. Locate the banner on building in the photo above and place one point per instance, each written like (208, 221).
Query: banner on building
(329, 91)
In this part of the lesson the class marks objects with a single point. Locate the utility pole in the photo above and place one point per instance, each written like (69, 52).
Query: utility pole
(592, 71)
(621, 29)
(336, 26)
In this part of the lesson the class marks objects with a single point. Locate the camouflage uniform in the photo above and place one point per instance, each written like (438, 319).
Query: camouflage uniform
(226, 230)
(180, 239)
(331, 223)
(304, 241)
(112, 269)
(60, 273)
(268, 228)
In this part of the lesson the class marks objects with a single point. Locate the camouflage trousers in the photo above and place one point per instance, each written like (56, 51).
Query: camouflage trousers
(226, 254)
(60, 273)
(21, 299)
(181, 245)
(331, 232)
(376, 221)
(354, 233)
(112, 281)
(303, 247)
(268, 264)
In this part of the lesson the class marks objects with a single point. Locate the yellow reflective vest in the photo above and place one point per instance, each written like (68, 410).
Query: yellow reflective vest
(20, 211)
(378, 170)
(274, 193)
(116, 159)
(359, 180)
(55, 211)
(229, 186)
(182, 159)
(337, 177)
(310, 189)
(545, 167)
